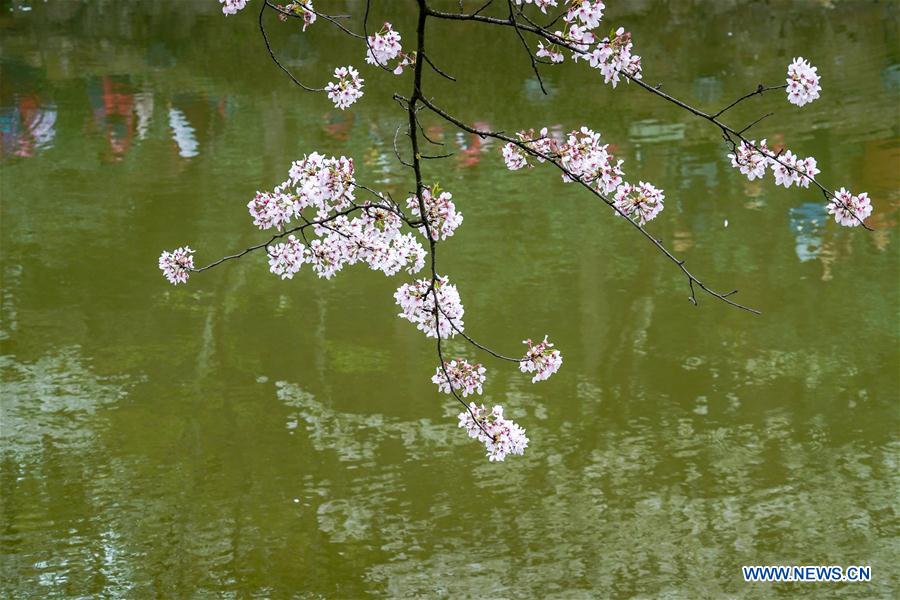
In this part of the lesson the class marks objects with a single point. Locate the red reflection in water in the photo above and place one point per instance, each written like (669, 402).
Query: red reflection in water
(26, 126)
(112, 105)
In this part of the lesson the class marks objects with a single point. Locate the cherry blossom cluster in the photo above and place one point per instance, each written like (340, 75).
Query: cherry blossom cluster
(347, 89)
(611, 55)
(542, 143)
(231, 7)
(802, 82)
(514, 158)
(464, 377)
(586, 13)
(790, 169)
(177, 264)
(500, 436)
(286, 258)
(416, 300)
(440, 212)
(581, 18)
(849, 210)
(753, 159)
(384, 47)
(585, 157)
(641, 202)
(325, 184)
(580, 154)
(270, 209)
(373, 238)
(540, 359)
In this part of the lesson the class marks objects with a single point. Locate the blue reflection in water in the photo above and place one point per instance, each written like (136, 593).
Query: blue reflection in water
(807, 223)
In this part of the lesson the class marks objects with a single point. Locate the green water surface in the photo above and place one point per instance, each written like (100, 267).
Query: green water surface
(243, 436)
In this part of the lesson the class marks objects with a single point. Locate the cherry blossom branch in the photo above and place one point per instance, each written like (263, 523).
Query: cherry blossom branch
(692, 279)
(378, 62)
(726, 130)
(327, 185)
(330, 18)
(299, 228)
(414, 98)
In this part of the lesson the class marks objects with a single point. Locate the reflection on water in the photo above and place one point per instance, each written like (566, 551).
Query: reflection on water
(624, 510)
(51, 402)
(145, 453)
(27, 126)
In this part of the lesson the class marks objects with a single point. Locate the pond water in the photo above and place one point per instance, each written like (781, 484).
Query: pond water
(242, 436)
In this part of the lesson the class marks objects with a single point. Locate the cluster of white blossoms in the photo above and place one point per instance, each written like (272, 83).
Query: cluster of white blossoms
(384, 46)
(802, 82)
(641, 202)
(790, 169)
(440, 212)
(177, 264)
(325, 186)
(514, 157)
(347, 89)
(545, 145)
(231, 7)
(465, 378)
(416, 301)
(584, 156)
(373, 238)
(541, 359)
(754, 159)
(286, 258)
(499, 435)
(579, 153)
(750, 161)
(270, 209)
(849, 210)
(612, 55)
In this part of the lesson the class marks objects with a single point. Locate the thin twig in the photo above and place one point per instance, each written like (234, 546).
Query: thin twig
(262, 30)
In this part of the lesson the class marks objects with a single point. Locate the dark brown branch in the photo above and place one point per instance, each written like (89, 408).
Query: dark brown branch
(330, 18)
(437, 69)
(765, 116)
(553, 38)
(656, 242)
(534, 64)
(760, 89)
(262, 30)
